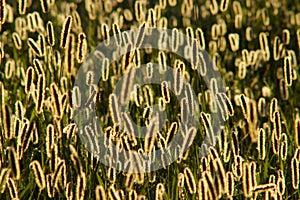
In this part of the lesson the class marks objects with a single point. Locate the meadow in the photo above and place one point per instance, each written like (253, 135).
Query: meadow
(252, 150)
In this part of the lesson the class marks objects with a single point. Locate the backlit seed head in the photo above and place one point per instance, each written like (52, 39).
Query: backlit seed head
(247, 180)
(141, 197)
(50, 138)
(111, 174)
(178, 83)
(17, 126)
(45, 6)
(149, 69)
(22, 6)
(140, 36)
(297, 131)
(38, 66)
(261, 107)
(265, 17)
(284, 90)
(244, 105)
(298, 37)
(81, 47)
(128, 15)
(281, 183)
(162, 4)
(238, 21)
(117, 34)
(160, 191)
(234, 40)
(276, 48)
(66, 32)
(69, 192)
(190, 180)
(273, 108)
(222, 106)
(213, 153)
(114, 109)
(105, 69)
(253, 174)
(127, 85)
(277, 125)
(100, 193)
(105, 34)
(113, 193)
(283, 146)
(50, 188)
(261, 144)
(40, 93)
(26, 136)
(237, 166)
(275, 143)
(288, 70)
(4, 176)
(34, 47)
(42, 44)
(224, 5)
(17, 40)
(175, 39)
(266, 92)
(208, 130)
(202, 189)
(295, 172)
(81, 186)
(165, 91)
(229, 183)
(140, 12)
(29, 86)
(13, 190)
(214, 7)
(38, 173)
(211, 187)
(180, 180)
(235, 142)
(90, 76)
(172, 132)
(200, 37)
(162, 60)
(221, 175)
(268, 187)
(56, 95)
(14, 164)
(286, 36)
(130, 180)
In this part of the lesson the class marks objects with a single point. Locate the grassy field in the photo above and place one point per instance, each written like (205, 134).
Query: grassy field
(254, 45)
